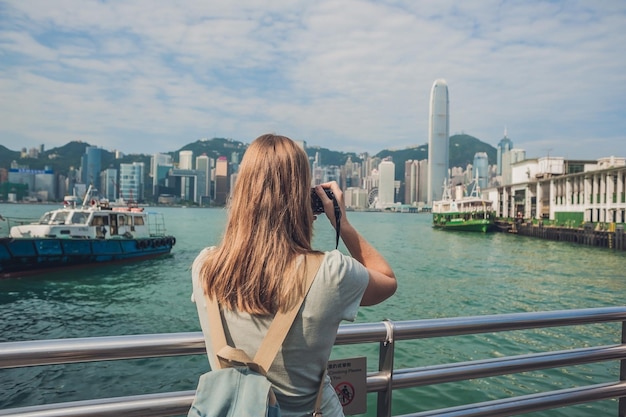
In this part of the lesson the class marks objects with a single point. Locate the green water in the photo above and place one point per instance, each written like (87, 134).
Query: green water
(440, 274)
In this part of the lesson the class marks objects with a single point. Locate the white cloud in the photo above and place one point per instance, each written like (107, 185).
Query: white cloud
(348, 75)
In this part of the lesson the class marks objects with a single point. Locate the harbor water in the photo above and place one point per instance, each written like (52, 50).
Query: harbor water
(440, 274)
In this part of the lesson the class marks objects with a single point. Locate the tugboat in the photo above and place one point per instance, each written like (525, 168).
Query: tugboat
(83, 234)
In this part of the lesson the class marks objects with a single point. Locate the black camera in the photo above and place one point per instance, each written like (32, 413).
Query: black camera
(316, 201)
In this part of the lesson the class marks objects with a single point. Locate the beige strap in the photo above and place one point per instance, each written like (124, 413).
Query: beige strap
(279, 328)
(218, 338)
(317, 411)
(276, 333)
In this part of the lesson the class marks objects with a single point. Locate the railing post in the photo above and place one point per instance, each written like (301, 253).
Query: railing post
(621, 410)
(385, 365)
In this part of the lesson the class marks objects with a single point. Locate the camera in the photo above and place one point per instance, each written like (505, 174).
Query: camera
(316, 201)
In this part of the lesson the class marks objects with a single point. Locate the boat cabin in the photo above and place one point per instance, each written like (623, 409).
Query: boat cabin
(88, 223)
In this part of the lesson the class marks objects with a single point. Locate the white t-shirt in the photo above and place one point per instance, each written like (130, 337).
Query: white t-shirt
(334, 296)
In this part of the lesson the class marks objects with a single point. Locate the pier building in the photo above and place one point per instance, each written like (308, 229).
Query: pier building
(568, 192)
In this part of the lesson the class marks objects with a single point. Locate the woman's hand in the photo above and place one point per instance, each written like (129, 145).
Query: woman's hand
(329, 205)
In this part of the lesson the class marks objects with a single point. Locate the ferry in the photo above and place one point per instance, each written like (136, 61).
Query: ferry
(468, 213)
(76, 235)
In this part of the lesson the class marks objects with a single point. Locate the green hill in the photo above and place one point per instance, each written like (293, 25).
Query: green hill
(462, 150)
(213, 148)
(7, 156)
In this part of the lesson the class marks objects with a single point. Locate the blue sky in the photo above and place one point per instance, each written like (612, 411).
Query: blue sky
(145, 76)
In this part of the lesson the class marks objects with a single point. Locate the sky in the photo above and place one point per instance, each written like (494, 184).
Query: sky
(145, 76)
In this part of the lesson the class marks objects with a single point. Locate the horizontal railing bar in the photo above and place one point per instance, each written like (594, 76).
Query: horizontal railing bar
(170, 403)
(530, 403)
(456, 326)
(176, 403)
(438, 374)
(154, 405)
(91, 349)
(50, 352)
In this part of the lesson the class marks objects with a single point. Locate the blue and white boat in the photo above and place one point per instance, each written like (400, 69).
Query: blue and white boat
(83, 234)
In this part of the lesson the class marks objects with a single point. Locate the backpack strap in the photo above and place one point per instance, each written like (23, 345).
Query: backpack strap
(279, 328)
(275, 335)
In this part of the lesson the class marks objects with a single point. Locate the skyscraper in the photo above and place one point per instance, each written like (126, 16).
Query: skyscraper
(91, 163)
(222, 186)
(131, 181)
(504, 146)
(481, 169)
(438, 140)
(185, 161)
(204, 164)
(416, 181)
(108, 184)
(386, 184)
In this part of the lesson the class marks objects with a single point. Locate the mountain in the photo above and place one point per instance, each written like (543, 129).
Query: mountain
(462, 150)
(464, 147)
(6, 156)
(213, 148)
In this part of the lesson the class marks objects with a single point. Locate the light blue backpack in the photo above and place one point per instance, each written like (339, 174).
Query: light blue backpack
(240, 387)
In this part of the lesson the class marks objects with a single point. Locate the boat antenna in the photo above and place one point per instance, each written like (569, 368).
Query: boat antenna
(88, 196)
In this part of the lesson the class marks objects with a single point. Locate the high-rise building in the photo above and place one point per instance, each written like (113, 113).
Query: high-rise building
(160, 165)
(422, 187)
(91, 163)
(131, 181)
(108, 184)
(481, 169)
(185, 160)
(410, 181)
(159, 159)
(504, 146)
(509, 158)
(438, 139)
(351, 176)
(386, 183)
(205, 164)
(222, 182)
(415, 181)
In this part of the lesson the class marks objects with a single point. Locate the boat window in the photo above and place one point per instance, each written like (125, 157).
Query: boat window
(60, 217)
(138, 220)
(45, 219)
(79, 217)
(97, 221)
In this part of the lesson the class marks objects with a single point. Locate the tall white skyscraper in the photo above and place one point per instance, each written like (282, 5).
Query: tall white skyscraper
(438, 139)
(386, 184)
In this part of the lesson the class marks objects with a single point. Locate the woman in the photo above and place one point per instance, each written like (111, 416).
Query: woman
(252, 272)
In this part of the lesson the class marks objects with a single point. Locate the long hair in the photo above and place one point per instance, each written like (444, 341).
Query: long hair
(270, 222)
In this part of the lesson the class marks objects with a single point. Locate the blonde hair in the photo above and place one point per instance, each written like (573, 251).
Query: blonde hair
(270, 222)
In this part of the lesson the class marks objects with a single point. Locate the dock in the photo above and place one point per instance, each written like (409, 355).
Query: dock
(603, 235)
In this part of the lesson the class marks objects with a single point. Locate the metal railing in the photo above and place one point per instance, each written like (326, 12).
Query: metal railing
(383, 382)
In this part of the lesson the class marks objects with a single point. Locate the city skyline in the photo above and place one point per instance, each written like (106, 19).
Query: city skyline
(125, 75)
